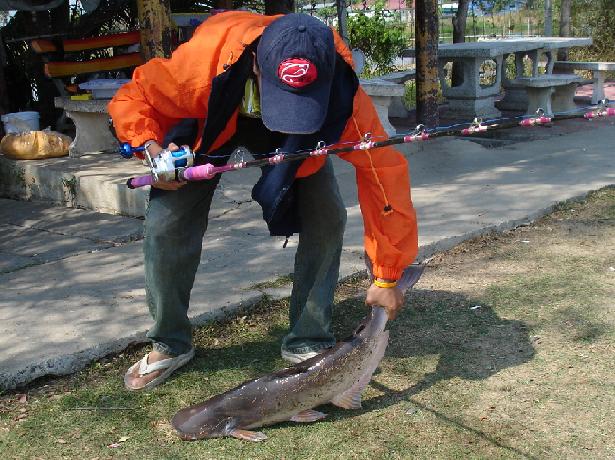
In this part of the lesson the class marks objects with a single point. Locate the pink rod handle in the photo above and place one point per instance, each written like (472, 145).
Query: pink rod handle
(200, 172)
(140, 181)
(208, 171)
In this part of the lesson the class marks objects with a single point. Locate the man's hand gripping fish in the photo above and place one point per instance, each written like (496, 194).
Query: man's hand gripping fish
(338, 376)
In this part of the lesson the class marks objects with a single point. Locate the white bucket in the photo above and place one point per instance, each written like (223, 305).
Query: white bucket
(20, 121)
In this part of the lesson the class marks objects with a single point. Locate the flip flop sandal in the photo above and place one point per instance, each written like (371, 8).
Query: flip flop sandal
(168, 366)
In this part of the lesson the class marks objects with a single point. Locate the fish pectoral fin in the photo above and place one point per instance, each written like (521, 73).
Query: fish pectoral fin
(247, 435)
(350, 399)
(308, 415)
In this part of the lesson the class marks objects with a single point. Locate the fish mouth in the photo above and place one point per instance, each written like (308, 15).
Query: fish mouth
(188, 436)
(186, 425)
(180, 421)
(192, 435)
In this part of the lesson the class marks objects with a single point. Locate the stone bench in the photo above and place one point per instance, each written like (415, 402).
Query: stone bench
(552, 93)
(598, 70)
(91, 123)
(397, 108)
(399, 77)
(382, 93)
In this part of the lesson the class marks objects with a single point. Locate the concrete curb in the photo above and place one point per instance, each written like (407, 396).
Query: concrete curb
(94, 181)
(69, 364)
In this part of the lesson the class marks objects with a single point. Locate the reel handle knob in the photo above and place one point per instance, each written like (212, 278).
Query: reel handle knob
(127, 151)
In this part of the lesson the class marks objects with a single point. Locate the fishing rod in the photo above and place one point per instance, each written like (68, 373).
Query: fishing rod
(179, 164)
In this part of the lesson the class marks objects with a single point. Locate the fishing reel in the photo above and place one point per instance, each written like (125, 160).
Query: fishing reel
(168, 165)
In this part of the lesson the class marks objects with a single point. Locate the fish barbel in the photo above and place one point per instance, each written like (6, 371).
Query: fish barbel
(338, 376)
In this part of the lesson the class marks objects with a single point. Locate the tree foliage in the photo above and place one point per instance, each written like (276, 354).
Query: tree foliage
(380, 36)
(596, 19)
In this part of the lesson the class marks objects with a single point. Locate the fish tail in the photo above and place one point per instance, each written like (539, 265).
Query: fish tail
(410, 277)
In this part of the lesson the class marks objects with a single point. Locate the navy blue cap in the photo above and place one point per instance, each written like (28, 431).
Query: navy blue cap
(296, 58)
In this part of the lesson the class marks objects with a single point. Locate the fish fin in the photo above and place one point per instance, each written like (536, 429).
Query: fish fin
(351, 398)
(308, 415)
(247, 435)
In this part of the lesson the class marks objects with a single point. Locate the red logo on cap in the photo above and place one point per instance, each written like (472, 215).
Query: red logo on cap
(297, 72)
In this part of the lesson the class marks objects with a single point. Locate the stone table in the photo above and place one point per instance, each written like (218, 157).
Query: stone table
(546, 46)
(92, 125)
(471, 99)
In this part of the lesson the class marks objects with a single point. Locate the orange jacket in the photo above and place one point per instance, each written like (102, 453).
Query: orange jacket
(163, 91)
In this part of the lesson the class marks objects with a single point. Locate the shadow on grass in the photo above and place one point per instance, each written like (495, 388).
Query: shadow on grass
(471, 342)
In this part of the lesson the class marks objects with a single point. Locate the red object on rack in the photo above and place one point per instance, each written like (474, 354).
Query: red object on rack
(607, 112)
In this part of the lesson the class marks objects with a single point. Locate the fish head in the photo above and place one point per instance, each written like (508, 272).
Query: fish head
(202, 421)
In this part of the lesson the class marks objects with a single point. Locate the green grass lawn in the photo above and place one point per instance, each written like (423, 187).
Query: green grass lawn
(504, 350)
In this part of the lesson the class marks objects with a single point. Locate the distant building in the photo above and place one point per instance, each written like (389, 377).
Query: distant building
(448, 8)
(399, 4)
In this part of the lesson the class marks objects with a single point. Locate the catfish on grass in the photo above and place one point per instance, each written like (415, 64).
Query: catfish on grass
(337, 376)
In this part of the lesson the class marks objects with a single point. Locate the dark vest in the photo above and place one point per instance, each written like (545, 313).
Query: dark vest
(274, 191)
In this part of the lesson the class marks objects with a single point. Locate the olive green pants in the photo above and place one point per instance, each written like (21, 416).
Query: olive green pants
(175, 225)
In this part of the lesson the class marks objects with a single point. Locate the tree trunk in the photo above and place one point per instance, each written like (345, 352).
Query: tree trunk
(158, 33)
(426, 54)
(50, 115)
(564, 27)
(4, 94)
(459, 36)
(60, 18)
(548, 18)
(279, 7)
(46, 91)
(459, 21)
(342, 19)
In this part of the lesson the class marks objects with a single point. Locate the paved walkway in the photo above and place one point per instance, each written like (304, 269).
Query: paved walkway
(72, 283)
